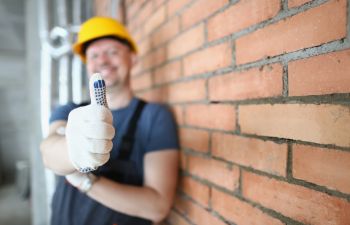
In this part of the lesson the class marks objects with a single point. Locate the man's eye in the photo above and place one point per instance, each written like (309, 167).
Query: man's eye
(92, 56)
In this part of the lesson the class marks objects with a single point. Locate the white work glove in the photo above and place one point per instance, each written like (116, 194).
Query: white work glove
(82, 181)
(90, 130)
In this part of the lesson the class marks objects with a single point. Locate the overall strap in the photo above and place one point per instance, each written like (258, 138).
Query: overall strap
(128, 139)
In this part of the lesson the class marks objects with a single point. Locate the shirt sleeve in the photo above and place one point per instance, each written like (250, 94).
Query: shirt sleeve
(62, 112)
(163, 130)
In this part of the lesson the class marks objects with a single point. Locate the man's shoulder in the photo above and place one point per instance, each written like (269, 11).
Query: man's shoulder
(61, 111)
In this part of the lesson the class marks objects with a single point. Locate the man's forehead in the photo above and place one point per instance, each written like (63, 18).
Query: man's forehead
(105, 43)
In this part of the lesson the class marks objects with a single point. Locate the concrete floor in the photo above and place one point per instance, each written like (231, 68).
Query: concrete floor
(13, 209)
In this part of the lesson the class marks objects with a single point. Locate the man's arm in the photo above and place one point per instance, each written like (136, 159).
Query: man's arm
(152, 201)
(54, 150)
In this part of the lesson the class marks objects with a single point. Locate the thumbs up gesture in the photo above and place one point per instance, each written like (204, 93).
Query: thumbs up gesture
(90, 130)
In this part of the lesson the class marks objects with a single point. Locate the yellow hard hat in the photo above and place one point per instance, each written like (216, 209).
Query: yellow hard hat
(98, 27)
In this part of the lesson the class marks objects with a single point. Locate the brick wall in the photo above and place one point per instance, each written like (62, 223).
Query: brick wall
(260, 90)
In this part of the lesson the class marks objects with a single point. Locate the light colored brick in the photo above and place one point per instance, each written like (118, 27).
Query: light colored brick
(141, 82)
(326, 167)
(185, 42)
(240, 212)
(155, 58)
(197, 191)
(266, 156)
(195, 139)
(261, 82)
(199, 11)
(173, 6)
(167, 73)
(143, 15)
(217, 172)
(143, 47)
(209, 59)
(235, 18)
(169, 30)
(313, 27)
(157, 18)
(299, 203)
(220, 117)
(324, 124)
(319, 75)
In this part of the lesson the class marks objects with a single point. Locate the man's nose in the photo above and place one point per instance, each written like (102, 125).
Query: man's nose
(103, 59)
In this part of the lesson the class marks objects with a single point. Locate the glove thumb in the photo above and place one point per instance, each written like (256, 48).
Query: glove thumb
(98, 90)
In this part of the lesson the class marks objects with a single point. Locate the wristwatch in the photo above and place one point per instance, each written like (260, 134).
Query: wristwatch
(88, 182)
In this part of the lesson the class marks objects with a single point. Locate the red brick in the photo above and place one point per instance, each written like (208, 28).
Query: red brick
(179, 92)
(209, 59)
(201, 216)
(167, 73)
(238, 211)
(181, 204)
(217, 172)
(235, 18)
(176, 219)
(153, 95)
(195, 139)
(326, 167)
(174, 6)
(197, 191)
(311, 28)
(169, 30)
(266, 156)
(186, 42)
(295, 3)
(153, 59)
(319, 75)
(141, 82)
(297, 202)
(157, 18)
(199, 11)
(186, 91)
(324, 124)
(253, 83)
(222, 117)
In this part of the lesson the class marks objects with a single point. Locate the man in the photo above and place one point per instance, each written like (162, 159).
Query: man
(135, 180)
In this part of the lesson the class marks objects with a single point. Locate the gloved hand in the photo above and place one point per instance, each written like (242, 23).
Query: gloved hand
(82, 181)
(90, 130)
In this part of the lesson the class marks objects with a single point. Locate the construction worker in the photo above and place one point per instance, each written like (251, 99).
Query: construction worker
(131, 147)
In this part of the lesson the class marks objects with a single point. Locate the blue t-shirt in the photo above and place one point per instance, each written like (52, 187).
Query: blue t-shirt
(155, 131)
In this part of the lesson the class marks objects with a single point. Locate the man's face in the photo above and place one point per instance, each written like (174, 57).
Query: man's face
(112, 59)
